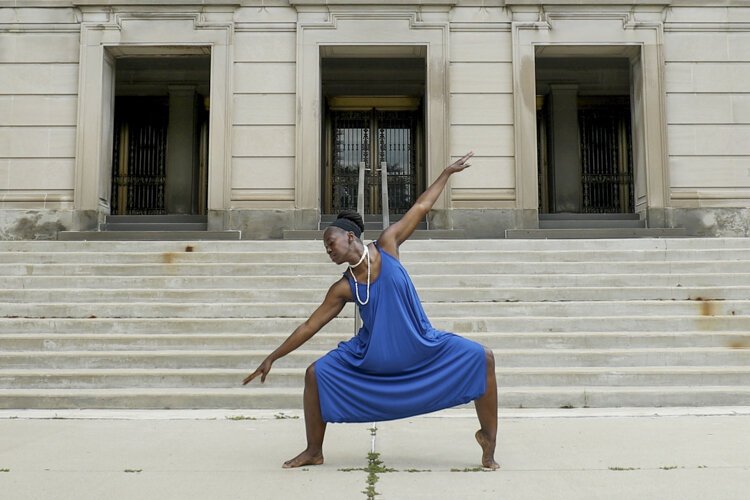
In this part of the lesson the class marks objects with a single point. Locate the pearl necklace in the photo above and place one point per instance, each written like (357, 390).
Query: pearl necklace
(366, 253)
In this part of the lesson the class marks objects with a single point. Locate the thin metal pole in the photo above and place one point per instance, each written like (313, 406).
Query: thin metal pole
(384, 191)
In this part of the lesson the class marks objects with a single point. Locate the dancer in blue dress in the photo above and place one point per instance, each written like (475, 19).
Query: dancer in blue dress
(397, 365)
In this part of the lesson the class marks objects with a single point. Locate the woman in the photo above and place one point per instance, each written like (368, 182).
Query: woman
(397, 365)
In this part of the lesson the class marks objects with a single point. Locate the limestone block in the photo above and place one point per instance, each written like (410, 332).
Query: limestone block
(33, 224)
(35, 173)
(265, 77)
(708, 77)
(265, 47)
(26, 47)
(695, 46)
(38, 110)
(484, 140)
(23, 15)
(713, 14)
(250, 173)
(273, 140)
(482, 46)
(481, 77)
(25, 79)
(37, 142)
(699, 108)
(264, 109)
(481, 109)
(281, 13)
(486, 172)
(719, 140)
(709, 171)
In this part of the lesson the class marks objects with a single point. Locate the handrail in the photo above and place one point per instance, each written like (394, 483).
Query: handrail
(384, 193)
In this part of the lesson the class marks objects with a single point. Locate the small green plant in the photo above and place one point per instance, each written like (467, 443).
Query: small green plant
(239, 417)
(624, 468)
(668, 467)
(417, 470)
(284, 416)
(134, 471)
(4, 470)
(469, 469)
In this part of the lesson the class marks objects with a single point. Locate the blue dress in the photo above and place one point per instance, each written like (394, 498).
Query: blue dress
(397, 365)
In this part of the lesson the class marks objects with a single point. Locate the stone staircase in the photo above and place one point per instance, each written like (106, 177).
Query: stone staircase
(573, 323)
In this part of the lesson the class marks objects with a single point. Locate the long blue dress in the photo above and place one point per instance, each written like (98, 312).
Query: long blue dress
(397, 365)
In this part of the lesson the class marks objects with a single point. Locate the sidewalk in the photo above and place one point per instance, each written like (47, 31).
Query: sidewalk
(233, 454)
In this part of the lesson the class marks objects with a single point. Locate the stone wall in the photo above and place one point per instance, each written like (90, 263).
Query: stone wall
(266, 164)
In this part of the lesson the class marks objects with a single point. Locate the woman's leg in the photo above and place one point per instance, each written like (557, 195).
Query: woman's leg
(314, 425)
(486, 407)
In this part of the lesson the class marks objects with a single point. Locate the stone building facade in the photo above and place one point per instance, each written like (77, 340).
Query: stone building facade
(258, 113)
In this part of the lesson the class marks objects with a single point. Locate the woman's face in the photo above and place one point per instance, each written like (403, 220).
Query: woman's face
(337, 244)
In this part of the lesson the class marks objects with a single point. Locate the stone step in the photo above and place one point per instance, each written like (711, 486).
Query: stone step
(585, 233)
(345, 325)
(280, 398)
(412, 245)
(582, 309)
(294, 377)
(147, 235)
(55, 342)
(321, 283)
(407, 257)
(591, 223)
(165, 218)
(372, 233)
(415, 268)
(427, 294)
(684, 356)
(588, 216)
(163, 227)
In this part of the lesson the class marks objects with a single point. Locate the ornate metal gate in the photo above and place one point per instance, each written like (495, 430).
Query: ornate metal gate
(139, 156)
(372, 137)
(606, 159)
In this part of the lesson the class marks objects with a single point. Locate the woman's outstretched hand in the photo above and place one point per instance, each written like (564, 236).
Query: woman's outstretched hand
(262, 370)
(460, 164)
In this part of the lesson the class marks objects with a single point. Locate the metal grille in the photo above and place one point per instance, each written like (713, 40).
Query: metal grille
(396, 138)
(606, 160)
(351, 138)
(364, 136)
(139, 157)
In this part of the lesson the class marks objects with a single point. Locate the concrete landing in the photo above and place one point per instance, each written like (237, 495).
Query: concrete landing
(623, 454)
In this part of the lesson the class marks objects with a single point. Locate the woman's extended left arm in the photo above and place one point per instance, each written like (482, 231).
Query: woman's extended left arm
(397, 233)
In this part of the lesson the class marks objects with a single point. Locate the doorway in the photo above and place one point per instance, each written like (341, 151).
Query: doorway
(373, 115)
(160, 143)
(584, 137)
(369, 138)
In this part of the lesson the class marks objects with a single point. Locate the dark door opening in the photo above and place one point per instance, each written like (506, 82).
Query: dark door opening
(372, 137)
(373, 114)
(584, 139)
(160, 144)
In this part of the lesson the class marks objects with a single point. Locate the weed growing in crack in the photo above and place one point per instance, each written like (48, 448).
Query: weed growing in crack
(284, 416)
(624, 468)
(4, 470)
(374, 467)
(134, 471)
(239, 417)
(470, 469)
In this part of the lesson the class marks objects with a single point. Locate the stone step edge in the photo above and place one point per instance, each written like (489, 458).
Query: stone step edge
(564, 370)
(321, 352)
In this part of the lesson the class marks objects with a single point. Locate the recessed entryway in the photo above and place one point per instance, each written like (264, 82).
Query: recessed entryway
(160, 143)
(374, 113)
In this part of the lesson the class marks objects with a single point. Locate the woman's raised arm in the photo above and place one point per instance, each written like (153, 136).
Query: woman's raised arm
(397, 233)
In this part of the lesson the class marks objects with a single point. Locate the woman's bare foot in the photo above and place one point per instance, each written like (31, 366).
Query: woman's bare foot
(307, 457)
(488, 451)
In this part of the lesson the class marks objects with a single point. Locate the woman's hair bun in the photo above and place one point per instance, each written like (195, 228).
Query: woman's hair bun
(353, 216)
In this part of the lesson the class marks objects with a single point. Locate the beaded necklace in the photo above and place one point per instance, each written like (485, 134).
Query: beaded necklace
(366, 253)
